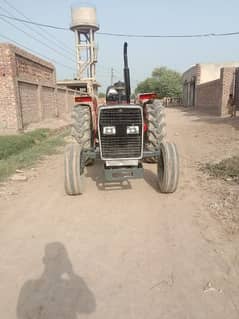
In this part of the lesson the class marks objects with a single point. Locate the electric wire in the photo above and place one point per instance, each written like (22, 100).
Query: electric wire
(46, 35)
(39, 41)
(36, 52)
(200, 35)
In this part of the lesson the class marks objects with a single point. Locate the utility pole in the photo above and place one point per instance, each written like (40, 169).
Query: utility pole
(112, 76)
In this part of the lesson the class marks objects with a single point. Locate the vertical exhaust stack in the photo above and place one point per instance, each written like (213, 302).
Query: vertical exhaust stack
(126, 74)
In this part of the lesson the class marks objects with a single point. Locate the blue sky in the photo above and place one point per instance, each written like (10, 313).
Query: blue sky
(133, 16)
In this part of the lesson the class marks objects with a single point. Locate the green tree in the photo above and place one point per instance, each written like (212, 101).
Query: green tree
(164, 82)
(101, 95)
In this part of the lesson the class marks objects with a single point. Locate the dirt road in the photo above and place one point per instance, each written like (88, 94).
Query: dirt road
(127, 252)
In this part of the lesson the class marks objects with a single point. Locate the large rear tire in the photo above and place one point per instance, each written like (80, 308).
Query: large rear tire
(74, 173)
(156, 133)
(82, 129)
(168, 168)
(81, 126)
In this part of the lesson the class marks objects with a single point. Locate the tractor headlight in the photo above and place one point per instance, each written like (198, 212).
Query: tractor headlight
(109, 130)
(132, 130)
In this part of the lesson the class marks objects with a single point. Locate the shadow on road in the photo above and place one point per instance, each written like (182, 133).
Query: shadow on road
(59, 293)
(96, 173)
(151, 179)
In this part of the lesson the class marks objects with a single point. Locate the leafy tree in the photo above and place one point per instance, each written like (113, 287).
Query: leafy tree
(164, 82)
(101, 95)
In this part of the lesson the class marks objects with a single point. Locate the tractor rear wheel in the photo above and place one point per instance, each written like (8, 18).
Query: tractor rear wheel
(82, 129)
(81, 126)
(74, 172)
(168, 168)
(155, 119)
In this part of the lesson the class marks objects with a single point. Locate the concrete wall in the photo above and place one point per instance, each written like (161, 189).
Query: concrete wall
(210, 72)
(191, 78)
(193, 72)
(28, 90)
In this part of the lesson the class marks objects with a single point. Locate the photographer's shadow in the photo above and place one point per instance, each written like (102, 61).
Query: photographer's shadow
(59, 293)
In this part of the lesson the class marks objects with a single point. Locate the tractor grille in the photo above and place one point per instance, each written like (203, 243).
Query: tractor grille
(121, 145)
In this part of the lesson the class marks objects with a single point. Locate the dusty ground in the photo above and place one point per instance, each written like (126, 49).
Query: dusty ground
(127, 252)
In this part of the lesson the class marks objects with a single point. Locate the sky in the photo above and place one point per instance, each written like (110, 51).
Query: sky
(134, 17)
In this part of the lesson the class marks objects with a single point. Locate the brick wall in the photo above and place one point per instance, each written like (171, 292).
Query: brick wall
(209, 96)
(48, 103)
(29, 106)
(8, 98)
(227, 79)
(70, 100)
(36, 71)
(236, 87)
(212, 97)
(213, 85)
(28, 90)
(62, 101)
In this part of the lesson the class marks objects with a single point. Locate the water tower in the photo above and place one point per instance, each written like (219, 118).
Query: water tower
(84, 25)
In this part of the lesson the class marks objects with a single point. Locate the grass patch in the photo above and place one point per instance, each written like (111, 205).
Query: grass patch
(21, 151)
(226, 169)
(14, 144)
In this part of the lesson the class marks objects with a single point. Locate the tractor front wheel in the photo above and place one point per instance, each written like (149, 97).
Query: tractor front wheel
(74, 172)
(168, 168)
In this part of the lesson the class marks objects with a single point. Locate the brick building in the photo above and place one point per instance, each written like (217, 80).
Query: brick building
(207, 86)
(28, 90)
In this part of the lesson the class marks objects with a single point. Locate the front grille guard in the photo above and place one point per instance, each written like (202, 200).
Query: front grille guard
(117, 173)
(136, 151)
(93, 153)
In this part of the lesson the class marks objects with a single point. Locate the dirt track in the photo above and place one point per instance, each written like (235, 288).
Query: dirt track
(135, 253)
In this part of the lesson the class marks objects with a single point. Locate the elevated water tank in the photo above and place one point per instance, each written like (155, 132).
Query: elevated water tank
(84, 18)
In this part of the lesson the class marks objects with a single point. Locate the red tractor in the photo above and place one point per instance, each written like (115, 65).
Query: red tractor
(123, 136)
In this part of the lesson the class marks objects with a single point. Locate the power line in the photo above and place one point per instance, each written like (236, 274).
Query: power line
(44, 56)
(36, 31)
(106, 70)
(36, 52)
(35, 23)
(201, 35)
(39, 41)
(45, 35)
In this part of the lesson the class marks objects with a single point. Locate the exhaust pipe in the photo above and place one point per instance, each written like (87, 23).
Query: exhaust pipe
(126, 74)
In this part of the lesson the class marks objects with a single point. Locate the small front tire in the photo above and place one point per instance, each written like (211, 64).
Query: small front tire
(168, 168)
(74, 175)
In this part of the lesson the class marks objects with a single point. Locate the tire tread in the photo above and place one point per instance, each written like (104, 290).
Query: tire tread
(74, 180)
(168, 175)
